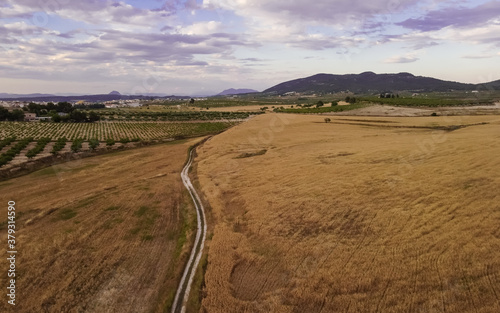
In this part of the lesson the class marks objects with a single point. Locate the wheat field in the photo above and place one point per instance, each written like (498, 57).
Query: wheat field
(109, 233)
(362, 214)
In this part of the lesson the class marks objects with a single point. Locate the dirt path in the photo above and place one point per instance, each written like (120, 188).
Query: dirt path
(184, 288)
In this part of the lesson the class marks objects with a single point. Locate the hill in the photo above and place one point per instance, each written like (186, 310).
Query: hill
(233, 91)
(369, 82)
(14, 96)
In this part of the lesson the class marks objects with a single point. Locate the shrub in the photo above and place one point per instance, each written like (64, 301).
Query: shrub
(59, 145)
(40, 145)
(76, 145)
(110, 142)
(15, 150)
(93, 144)
(6, 142)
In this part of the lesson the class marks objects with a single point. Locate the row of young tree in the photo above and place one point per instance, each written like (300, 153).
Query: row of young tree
(75, 116)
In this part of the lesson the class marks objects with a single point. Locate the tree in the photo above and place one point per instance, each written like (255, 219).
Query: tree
(110, 142)
(94, 117)
(78, 116)
(65, 107)
(56, 118)
(319, 104)
(191, 101)
(4, 114)
(93, 144)
(327, 120)
(51, 106)
(76, 145)
(16, 115)
(34, 108)
(348, 99)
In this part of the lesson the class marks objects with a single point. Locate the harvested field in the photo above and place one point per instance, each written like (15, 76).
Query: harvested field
(109, 233)
(387, 110)
(354, 215)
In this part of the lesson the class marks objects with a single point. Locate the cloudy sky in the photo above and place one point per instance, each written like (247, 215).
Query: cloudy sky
(204, 46)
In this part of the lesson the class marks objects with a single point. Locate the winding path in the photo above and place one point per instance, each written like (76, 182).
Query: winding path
(182, 294)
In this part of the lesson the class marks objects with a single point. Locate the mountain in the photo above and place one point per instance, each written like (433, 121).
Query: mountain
(115, 93)
(11, 95)
(233, 91)
(90, 98)
(369, 82)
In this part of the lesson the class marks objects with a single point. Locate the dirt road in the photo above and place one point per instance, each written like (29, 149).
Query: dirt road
(184, 288)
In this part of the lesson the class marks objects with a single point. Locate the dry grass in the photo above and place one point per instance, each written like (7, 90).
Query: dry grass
(340, 217)
(101, 234)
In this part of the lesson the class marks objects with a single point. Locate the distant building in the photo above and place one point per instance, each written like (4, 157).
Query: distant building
(28, 117)
(43, 118)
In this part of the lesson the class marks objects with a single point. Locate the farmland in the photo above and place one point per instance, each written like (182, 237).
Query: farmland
(103, 131)
(364, 214)
(26, 146)
(104, 234)
(168, 114)
(427, 102)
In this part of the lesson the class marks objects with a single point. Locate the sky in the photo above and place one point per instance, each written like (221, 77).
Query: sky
(201, 47)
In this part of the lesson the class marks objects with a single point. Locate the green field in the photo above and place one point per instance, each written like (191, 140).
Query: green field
(168, 113)
(434, 101)
(103, 131)
(321, 109)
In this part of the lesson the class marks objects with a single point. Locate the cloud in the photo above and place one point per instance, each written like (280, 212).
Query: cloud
(201, 28)
(49, 54)
(321, 11)
(94, 12)
(457, 17)
(292, 23)
(479, 56)
(402, 59)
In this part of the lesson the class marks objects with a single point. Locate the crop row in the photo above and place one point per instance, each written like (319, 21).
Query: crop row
(40, 145)
(104, 131)
(172, 115)
(6, 157)
(308, 110)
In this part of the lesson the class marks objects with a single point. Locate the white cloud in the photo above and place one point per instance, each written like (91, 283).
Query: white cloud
(408, 58)
(201, 28)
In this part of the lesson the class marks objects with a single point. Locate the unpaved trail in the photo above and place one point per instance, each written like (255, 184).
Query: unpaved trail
(184, 288)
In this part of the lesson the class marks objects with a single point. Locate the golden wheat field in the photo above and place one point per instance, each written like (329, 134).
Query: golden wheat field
(102, 234)
(361, 214)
